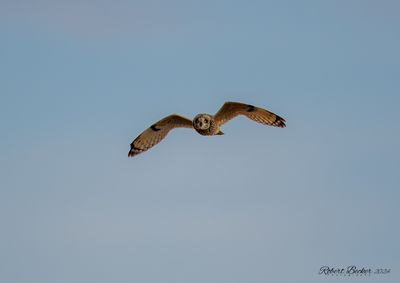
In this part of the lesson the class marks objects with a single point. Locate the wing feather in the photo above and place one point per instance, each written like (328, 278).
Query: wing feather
(231, 110)
(157, 132)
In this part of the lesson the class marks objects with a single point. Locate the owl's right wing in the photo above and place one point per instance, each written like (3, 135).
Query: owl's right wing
(153, 135)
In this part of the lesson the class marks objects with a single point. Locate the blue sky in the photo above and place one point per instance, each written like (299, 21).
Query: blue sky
(80, 79)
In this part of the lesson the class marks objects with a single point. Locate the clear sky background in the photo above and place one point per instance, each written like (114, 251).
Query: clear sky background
(79, 80)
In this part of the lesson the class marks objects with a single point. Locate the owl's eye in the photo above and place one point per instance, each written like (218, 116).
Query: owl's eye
(205, 121)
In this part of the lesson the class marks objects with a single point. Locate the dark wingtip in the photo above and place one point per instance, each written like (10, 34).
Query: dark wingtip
(279, 122)
(134, 151)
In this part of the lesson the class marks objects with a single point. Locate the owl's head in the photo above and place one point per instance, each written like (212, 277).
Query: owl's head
(202, 122)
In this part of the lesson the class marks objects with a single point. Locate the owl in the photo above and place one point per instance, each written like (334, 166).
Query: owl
(204, 124)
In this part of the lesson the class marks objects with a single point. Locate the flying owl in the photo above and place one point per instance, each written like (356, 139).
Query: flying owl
(204, 124)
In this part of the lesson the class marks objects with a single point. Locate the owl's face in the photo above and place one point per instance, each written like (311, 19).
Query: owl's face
(202, 121)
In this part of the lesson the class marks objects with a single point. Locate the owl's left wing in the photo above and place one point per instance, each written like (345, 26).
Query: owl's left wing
(230, 110)
(153, 135)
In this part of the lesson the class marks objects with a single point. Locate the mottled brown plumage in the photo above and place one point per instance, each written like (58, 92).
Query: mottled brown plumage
(232, 109)
(204, 124)
(153, 135)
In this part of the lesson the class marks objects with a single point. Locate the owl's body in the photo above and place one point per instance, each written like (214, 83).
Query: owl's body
(204, 124)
